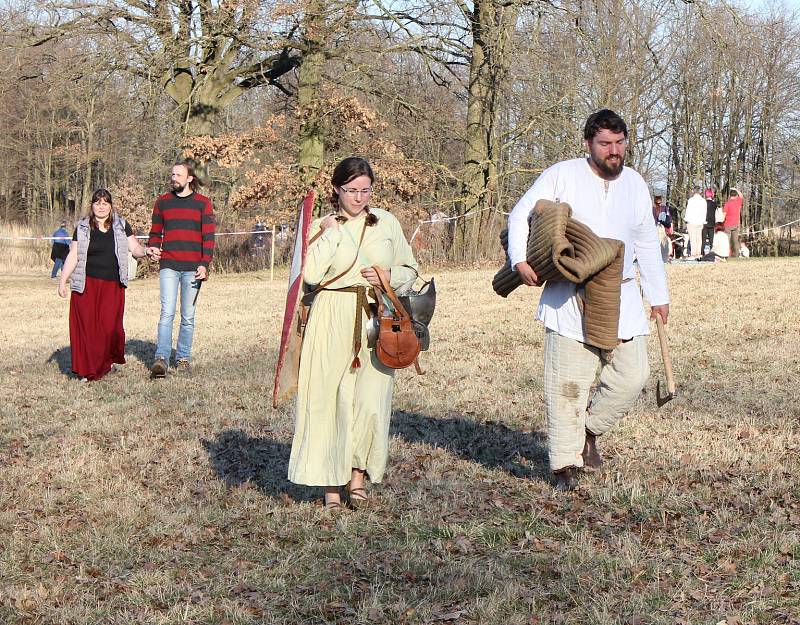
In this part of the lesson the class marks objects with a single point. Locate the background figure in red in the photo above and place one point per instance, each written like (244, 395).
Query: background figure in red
(733, 216)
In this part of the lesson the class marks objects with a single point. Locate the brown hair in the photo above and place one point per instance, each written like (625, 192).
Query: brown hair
(347, 170)
(195, 183)
(604, 119)
(101, 194)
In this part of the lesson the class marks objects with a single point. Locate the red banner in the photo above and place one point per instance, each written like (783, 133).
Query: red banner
(288, 367)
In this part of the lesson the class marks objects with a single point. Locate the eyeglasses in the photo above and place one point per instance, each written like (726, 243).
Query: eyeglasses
(356, 192)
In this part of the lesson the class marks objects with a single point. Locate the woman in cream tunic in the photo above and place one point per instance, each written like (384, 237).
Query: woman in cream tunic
(344, 397)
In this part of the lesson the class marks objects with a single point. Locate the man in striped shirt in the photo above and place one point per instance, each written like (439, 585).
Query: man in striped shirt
(183, 232)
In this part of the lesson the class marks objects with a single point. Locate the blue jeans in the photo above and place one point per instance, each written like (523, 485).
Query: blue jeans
(168, 280)
(59, 263)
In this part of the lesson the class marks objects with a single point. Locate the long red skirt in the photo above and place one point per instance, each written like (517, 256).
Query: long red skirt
(96, 335)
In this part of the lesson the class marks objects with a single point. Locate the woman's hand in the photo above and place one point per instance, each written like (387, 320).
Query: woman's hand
(62, 289)
(329, 222)
(371, 276)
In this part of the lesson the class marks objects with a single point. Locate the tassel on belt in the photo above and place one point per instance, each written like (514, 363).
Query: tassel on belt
(361, 304)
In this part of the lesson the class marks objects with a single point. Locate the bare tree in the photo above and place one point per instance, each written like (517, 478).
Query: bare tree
(203, 53)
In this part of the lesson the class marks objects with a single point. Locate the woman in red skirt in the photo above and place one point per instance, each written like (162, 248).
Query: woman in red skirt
(97, 268)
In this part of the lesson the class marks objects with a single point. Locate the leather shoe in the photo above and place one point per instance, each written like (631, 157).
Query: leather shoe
(591, 457)
(566, 479)
(159, 368)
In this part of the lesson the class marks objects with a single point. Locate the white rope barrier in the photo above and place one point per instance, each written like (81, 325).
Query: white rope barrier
(138, 236)
(420, 223)
(439, 219)
(772, 228)
(454, 218)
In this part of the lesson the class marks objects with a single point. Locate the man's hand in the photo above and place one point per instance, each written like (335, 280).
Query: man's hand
(153, 252)
(527, 274)
(662, 310)
(201, 273)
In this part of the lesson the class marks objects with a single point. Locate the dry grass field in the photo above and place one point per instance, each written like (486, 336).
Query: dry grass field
(137, 501)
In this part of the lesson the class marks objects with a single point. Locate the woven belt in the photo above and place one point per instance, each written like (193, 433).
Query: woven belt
(361, 304)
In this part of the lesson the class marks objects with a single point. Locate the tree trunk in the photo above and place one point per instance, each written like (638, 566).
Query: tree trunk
(312, 141)
(491, 27)
(88, 151)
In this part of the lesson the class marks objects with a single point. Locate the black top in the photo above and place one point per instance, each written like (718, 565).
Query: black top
(711, 209)
(101, 261)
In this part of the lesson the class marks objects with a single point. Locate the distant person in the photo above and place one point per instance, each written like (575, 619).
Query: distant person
(720, 250)
(678, 242)
(97, 270)
(282, 236)
(722, 244)
(258, 237)
(733, 217)
(711, 219)
(283, 244)
(663, 226)
(60, 249)
(662, 214)
(744, 251)
(695, 218)
(183, 229)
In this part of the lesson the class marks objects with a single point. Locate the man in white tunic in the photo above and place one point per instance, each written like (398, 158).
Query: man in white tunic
(614, 201)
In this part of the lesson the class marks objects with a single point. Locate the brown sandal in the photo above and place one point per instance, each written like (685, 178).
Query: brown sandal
(331, 505)
(357, 496)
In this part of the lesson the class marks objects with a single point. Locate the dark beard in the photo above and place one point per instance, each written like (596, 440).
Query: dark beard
(609, 170)
(178, 188)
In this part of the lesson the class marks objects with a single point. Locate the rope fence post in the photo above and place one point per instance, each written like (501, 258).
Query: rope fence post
(272, 254)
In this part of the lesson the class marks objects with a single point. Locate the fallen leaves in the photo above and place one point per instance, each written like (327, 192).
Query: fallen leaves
(698, 516)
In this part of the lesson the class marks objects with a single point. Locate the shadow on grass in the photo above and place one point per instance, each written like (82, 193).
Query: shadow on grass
(143, 351)
(63, 358)
(237, 458)
(492, 444)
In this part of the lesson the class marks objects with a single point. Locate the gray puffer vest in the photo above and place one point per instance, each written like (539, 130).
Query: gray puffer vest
(120, 248)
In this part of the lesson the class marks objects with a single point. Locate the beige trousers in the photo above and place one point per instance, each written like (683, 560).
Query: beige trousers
(570, 369)
(695, 239)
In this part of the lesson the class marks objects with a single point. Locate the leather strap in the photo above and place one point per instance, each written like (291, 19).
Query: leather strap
(334, 279)
(386, 287)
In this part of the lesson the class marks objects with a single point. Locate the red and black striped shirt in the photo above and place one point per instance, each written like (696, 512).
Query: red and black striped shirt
(183, 227)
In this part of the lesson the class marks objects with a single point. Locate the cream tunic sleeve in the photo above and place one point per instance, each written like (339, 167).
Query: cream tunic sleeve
(404, 265)
(321, 252)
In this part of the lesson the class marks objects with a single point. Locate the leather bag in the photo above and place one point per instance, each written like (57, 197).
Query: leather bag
(420, 305)
(397, 346)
